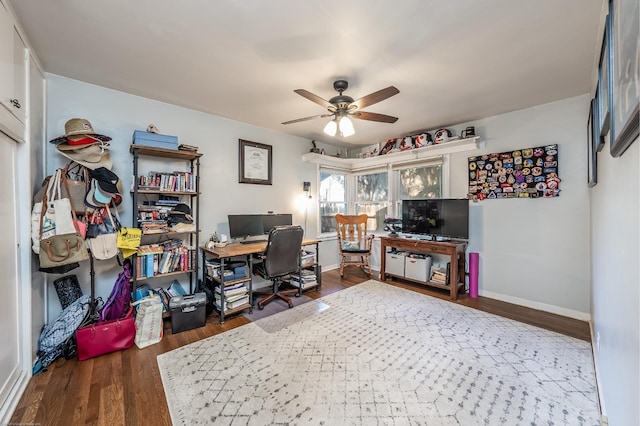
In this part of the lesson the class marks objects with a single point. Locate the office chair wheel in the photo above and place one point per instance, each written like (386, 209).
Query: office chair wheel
(260, 307)
(290, 305)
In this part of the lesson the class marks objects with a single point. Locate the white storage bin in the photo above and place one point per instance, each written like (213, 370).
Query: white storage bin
(418, 268)
(394, 263)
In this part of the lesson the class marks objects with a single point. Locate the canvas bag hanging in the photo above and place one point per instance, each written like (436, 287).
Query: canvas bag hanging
(104, 245)
(76, 189)
(64, 247)
(52, 215)
(148, 321)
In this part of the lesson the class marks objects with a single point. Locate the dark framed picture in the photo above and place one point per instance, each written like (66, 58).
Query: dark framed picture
(624, 97)
(592, 135)
(254, 163)
(602, 92)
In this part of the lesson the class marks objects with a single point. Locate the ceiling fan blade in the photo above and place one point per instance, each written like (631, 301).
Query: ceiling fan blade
(375, 97)
(307, 118)
(372, 116)
(313, 98)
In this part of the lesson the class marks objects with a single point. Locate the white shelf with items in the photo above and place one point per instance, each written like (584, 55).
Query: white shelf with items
(459, 145)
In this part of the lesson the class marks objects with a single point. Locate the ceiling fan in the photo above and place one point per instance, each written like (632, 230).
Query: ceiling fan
(342, 107)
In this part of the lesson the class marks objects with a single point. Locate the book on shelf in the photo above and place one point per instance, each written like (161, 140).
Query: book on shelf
(185, 147)
(233, 304)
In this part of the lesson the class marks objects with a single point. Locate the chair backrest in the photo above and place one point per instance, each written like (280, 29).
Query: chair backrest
(352, 229)
(283, 251)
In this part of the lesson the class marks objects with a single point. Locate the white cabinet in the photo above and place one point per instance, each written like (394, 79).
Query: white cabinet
(12, 78)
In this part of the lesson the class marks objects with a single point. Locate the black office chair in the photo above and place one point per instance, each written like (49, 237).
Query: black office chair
(282, 257)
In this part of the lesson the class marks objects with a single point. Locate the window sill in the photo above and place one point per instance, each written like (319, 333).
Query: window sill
(430, 151)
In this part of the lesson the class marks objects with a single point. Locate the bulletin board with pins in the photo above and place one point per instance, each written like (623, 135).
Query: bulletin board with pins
(525, 173)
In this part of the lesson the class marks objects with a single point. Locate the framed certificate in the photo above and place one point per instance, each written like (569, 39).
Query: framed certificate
(254, 163)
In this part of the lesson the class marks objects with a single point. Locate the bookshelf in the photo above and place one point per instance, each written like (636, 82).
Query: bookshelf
(160, 250)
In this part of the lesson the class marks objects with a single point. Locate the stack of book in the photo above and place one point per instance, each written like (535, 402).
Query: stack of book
(234, 296)
(307, 278)
(440, 274)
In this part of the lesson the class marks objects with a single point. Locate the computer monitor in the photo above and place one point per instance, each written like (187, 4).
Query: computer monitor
(271, 220)
(245, 225)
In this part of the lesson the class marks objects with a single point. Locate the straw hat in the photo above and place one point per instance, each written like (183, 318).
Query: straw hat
(90, 156)
(75, 131)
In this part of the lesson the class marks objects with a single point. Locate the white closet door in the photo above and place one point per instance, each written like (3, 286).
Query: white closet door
(10, 368)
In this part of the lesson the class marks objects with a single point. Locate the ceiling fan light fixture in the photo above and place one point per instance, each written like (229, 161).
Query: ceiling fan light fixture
(346, 127)
(331, 128)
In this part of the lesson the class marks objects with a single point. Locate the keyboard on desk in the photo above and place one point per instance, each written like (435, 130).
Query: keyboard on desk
(252, 241)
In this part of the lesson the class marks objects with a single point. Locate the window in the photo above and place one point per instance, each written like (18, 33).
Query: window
(424, 181)
(332, 198)
(372, 198)
(377, 192)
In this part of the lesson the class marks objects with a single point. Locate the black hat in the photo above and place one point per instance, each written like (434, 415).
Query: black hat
(106, 179)
(181, 213)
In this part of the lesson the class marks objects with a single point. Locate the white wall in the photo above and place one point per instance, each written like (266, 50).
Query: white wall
(118, 114)
(534, 252)
(615, 234)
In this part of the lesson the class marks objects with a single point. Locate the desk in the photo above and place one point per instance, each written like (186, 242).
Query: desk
(455, 251)
(248, 250)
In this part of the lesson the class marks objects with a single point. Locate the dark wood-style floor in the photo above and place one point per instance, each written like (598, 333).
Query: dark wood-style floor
(125, 388)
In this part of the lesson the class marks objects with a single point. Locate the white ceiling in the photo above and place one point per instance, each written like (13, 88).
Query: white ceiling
(453, 61)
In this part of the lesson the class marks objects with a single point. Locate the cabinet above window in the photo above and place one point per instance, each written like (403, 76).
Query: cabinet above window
(460, 145)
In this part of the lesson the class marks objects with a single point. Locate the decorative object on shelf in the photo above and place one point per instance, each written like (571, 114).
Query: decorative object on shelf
(254, 163)
(624, 92)
(343, 108)
(526, 173)
(443, 135)
(468, 132)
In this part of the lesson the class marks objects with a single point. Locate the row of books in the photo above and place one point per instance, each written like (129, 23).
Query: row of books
(234, 296)
(149, 265)
(161, 181)
(306, 278)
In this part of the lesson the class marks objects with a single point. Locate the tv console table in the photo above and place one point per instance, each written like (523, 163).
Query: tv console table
(455, 250)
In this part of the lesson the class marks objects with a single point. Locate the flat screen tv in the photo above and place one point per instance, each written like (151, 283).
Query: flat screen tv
(439, 217)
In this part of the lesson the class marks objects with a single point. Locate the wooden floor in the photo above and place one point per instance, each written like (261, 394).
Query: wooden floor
(125, 388)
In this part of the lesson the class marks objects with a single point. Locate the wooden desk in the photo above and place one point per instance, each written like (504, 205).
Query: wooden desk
(237, 250)
(455, 250)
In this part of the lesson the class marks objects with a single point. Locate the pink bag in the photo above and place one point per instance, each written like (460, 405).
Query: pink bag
(106, 337)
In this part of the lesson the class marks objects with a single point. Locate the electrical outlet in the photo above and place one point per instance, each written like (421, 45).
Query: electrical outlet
(597, 341)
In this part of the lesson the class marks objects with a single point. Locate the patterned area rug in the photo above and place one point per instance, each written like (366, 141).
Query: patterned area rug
(274, 307)
(379, 354)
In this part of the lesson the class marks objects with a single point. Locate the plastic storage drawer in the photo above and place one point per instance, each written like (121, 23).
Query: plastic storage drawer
(187, 312)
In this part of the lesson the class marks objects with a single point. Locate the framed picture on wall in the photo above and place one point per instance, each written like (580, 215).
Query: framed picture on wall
(254, 163)
(602, 93)
(624, 92)
(592, 136)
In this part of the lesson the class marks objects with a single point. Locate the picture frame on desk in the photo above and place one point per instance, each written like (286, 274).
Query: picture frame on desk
(624, 92)
(255, 163)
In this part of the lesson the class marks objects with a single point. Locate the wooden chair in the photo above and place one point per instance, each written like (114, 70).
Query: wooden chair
(353, 242)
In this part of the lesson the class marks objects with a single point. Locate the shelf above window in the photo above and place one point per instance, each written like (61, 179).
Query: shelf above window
(460, 145)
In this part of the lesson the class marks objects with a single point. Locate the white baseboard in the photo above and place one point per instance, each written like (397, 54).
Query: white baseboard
(10, 404)
(582, 316)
